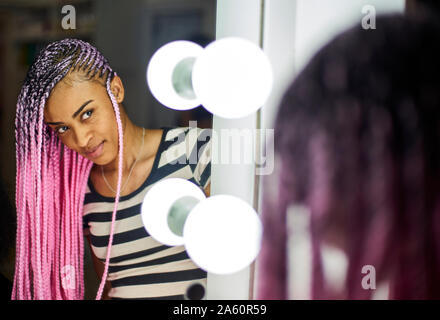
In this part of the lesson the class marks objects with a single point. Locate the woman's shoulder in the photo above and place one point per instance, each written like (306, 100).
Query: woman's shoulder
(155, 133)
(184, 142)
(179, 134)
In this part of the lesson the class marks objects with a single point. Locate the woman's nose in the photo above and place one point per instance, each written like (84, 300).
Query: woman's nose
(82, 138)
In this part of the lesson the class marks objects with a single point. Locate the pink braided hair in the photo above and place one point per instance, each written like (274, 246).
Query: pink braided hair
(51, 180)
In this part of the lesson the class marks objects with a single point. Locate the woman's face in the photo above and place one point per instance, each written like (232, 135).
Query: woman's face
(82, 115)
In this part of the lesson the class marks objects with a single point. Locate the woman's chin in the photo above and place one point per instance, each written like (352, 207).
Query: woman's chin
(99, 162)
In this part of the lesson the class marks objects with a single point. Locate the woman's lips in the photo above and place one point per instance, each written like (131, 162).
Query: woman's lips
(97, 152)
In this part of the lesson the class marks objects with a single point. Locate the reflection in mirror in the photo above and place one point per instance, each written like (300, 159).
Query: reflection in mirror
(357, 170)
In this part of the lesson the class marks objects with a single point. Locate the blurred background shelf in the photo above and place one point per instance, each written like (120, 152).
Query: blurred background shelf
(49, 36)
(39, 3)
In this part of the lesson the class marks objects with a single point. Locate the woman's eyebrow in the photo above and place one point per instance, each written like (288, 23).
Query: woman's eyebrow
(81, 108)
(75, 114)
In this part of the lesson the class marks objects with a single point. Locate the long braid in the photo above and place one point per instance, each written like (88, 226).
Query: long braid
(65, 235)
(57, 217)
(118, 120)
(38, 207)
(18, 184)
(85, 170)
(31, 187)
(76, 217)
(51, 180)
(44, 218)
(73, 224)
(45, 208)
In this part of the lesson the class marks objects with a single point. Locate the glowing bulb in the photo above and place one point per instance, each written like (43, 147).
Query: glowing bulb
(158, 202)
(169, 74)
(222, 234)
(232, 78)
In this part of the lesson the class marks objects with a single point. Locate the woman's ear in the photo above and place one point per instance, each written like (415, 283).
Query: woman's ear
(117, 89)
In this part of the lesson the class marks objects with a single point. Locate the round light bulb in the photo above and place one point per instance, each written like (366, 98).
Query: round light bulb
(222, 234)
(232, 78)
(157, 204)
(169, 74)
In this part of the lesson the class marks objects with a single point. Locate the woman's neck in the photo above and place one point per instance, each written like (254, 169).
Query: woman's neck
(132, 145)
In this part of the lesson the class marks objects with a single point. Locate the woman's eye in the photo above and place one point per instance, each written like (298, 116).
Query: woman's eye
(87, 114)
(61, 130)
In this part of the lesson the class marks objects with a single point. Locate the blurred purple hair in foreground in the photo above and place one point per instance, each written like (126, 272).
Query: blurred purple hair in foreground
(357, 136)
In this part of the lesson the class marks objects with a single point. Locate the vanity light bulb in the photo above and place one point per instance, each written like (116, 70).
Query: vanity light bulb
(232, 78)
(157, 204)
(222, 234)
(169, 74)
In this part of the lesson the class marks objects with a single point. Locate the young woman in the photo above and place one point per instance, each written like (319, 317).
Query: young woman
(82, 163)
(358, 142)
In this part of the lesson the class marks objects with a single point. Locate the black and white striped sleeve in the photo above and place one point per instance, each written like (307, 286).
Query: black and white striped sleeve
(200, 157)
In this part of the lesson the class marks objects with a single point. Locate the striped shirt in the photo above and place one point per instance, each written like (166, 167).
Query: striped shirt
(141, 267)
